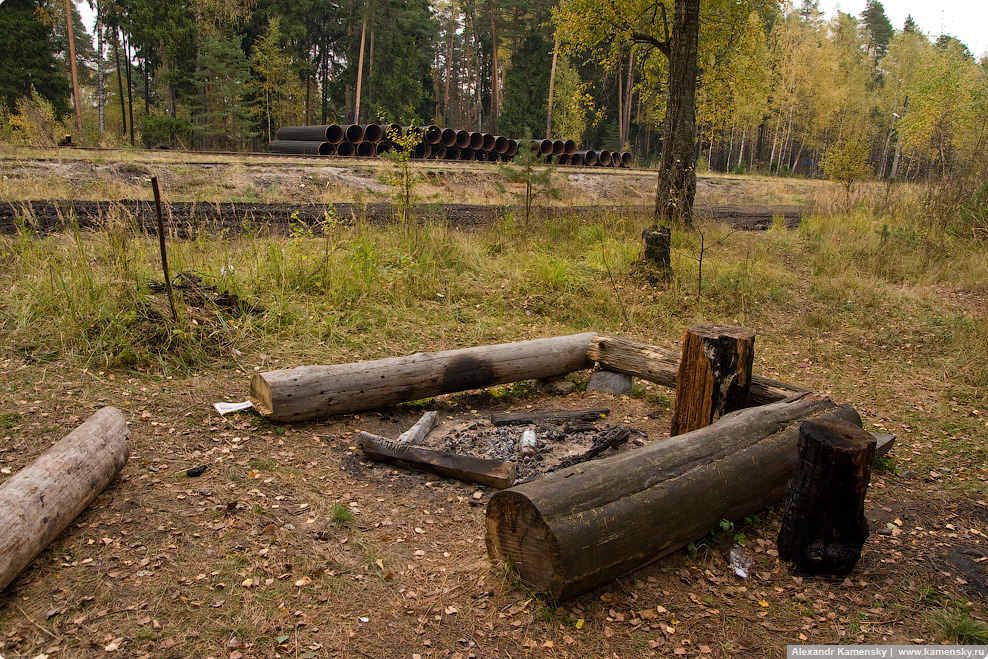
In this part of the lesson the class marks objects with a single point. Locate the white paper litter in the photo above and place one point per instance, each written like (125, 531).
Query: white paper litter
(226, 408)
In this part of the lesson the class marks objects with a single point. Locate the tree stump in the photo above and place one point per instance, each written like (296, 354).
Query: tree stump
(823, 523)
(714, 375)
(655, 261)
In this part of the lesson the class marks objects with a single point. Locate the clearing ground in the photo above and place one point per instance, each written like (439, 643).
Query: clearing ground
(292, 545)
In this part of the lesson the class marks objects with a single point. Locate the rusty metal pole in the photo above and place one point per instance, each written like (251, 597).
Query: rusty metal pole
(161, 242)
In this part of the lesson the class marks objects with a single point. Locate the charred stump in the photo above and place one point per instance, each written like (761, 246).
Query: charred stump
(714, 375)
(823, 523)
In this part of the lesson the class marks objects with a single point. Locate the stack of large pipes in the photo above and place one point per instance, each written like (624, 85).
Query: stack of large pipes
(435, 143)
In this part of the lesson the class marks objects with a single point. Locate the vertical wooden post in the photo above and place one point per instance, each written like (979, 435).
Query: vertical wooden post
(74, 69)
(823, 523)
(714, 375)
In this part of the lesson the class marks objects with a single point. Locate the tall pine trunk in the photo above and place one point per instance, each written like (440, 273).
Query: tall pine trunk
(130, 91)
(552, 88)
(676, 189)
(116, 55)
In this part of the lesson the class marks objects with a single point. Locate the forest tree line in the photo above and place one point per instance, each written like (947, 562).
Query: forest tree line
(779, 85)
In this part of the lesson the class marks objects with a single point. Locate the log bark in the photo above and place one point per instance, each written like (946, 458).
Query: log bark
(309, 392)
(494, 473)
(714, 375)
(41, 500)
(548, 416)
(823, 523)
(583, 526)
(661, 366)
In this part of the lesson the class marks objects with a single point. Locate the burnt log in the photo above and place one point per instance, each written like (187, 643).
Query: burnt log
(823, 523)
(469, 469)
(548, 416)
(309, 392)
(611, 438)
(580, 527)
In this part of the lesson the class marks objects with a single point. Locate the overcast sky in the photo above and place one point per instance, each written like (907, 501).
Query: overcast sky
(965, 19)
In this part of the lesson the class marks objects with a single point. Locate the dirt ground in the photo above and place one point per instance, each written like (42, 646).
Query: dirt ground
(164, 565)
(80, 188)
(257, 557)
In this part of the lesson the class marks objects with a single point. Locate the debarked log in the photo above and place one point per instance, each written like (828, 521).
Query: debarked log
(661, 366)
(469, 469)
(583, 526)
(309, 392)
(41, 500)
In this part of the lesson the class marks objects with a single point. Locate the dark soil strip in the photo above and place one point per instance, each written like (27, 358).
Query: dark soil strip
(191, 218)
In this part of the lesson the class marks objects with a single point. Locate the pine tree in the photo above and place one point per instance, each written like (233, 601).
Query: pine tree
(27, 57)
(878, 28)
(526, 88)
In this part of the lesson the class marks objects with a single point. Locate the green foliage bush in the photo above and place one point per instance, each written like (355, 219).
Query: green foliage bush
(162, 129)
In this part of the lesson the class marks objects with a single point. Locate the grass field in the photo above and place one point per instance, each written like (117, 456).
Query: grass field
(290, 546)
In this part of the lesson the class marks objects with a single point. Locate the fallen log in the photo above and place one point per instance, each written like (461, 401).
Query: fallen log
(548, 416)
(41, 500)
(469, 469)
(309, 392)
(714, 375)
(661, 366)
(583, 526)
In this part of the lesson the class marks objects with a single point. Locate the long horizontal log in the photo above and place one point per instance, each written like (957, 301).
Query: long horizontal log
(583, 526)
(40, 501)
(469, 469)
(308, 392)
(661, 366)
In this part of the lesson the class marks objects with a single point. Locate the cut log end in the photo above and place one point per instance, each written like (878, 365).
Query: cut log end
(519, 539)
(260, 394)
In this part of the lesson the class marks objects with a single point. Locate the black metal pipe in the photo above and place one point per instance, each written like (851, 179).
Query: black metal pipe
(354, 133)
(373, 133)
(431, 134)
(304, 133)
(305, 147)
